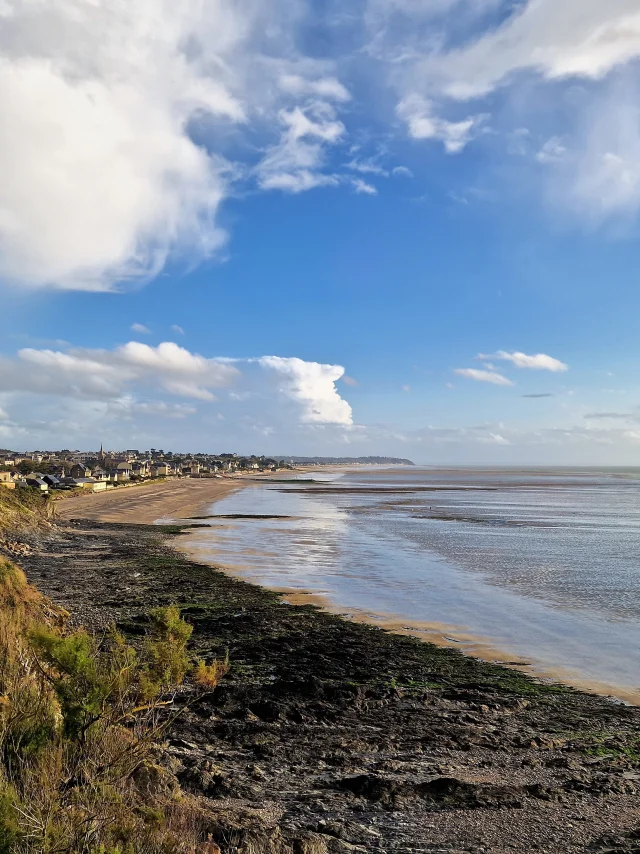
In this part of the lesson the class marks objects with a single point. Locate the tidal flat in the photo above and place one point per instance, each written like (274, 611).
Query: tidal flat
(334, 736)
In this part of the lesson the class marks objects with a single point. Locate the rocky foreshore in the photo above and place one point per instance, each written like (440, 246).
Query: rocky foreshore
(332, 736)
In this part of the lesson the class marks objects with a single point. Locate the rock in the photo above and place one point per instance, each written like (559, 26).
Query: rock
(155, 782)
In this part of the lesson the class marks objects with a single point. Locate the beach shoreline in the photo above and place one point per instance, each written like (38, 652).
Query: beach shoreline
(187, 500)
(343, 732)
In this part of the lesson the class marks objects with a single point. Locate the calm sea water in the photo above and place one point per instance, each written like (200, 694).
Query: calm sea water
(541, 565)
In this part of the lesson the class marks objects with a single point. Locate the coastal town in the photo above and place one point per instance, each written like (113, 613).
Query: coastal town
(97, 471)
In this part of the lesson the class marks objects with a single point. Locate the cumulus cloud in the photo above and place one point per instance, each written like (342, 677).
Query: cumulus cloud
(113, 124)
(539, 362)
(107, 373)
(123, 125)
(99, 178)
(129, 382)
(313, 386)
(141, 328)
(483, 376)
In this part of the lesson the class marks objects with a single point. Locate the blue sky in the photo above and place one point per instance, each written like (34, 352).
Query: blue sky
(376, 194)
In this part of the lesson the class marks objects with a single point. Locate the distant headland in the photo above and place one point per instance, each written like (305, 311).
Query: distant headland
(332, 461)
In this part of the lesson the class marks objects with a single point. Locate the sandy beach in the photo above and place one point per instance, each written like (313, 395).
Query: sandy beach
(147, 503)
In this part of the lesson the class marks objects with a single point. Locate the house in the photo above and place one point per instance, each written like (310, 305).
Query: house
(99, 474)
(191, 468)
(86, 483)
(140, 469)
(79, 470)
(122, 474)
(159, 470)
(37, 483)
(7, 480)
(52, 481)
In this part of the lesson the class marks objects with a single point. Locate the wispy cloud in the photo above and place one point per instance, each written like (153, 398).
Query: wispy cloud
(538, 362)
(422, 123)
(140, 328)
(294, 164)
(361, 186)
(483, 376)
(178, 329)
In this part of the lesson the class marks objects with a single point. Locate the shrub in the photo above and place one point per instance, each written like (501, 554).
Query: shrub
(78, 720)
(208, 675)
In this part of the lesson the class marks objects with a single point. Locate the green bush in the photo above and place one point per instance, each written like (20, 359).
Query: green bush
(78, 720)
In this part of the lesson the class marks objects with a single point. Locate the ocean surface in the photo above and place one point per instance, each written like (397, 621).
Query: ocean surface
(535, 566)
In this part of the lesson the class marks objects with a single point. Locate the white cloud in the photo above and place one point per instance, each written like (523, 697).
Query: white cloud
(99, 179)
(552, 151)
(402, 171)
(113, 123)
(586, 48)
(423, 123)
(105, 374)
(361, 186)
(141, 328)
(123, 125)
(127, 406)
(494, 439)
(325, 87)
(294, 164)
(178, 329)
(539, 362)
(576, 38)
(483, 376)
(56, 388)
(313, 386)
(368, 166)
(347, 380)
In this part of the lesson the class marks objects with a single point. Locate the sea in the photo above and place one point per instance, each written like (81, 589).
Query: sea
(538, 568)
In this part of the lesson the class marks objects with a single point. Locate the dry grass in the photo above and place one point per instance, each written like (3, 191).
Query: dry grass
(79, 724)
(209, 675)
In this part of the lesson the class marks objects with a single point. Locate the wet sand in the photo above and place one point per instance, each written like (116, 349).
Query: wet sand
(149, 502)
(430, 631)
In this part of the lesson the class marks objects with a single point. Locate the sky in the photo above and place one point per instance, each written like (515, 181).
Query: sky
(390, 227)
